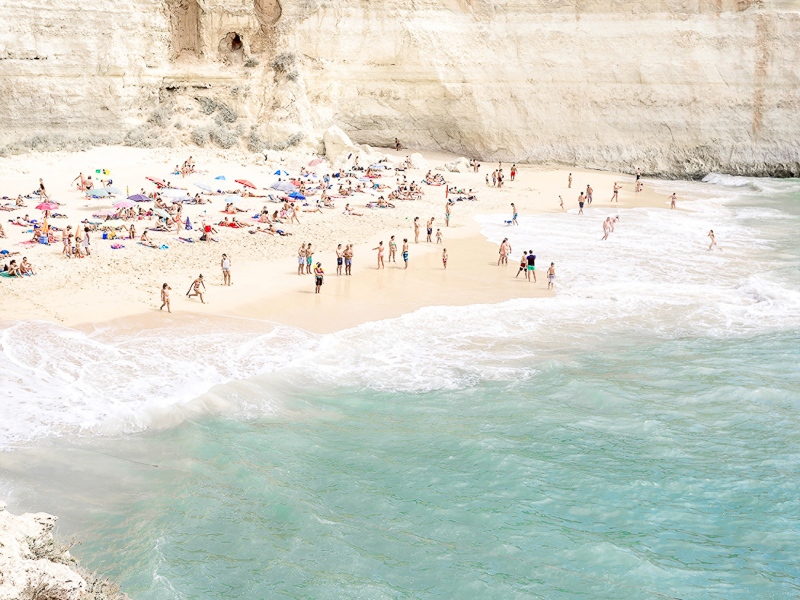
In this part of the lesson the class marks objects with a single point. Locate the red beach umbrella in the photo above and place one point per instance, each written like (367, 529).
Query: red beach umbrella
(47, 206)
(158, 182)
(245, 183)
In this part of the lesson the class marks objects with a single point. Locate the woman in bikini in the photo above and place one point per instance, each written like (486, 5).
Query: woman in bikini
(392, 250)
(380, 255)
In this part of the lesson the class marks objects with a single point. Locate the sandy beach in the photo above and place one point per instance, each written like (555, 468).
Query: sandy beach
(111, 284)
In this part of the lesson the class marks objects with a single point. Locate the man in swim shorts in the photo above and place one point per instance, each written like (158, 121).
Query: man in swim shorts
(348, 259)
(339, 259)
(551, 276)
(430, 229)
(405, 251)
(531, 258)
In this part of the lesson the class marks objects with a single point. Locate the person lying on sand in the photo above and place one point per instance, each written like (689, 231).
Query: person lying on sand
(351, 212)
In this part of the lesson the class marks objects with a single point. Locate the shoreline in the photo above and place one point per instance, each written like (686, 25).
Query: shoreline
(112, 285)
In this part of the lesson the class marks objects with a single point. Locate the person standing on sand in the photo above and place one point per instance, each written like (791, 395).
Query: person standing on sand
(514, 215)
(309, 258)
(430, 230)
(405, 252)
(672, 200)
(580, 203)
(589, 194)
(165, 297)
(85, 242)
(194, 289)
(444, 257)
(523, 265)
(380, 255)
(505, 250)
(82, 182)
(301, 259)
(615, 195)
(531, 259)
(551, 276)
(339, 259)
(569, 185)
(319, 273)
(487, 180)
(392, 250)
(513, 172)
(447, 206)
(561, 202)
(226, 269)
(348, 259)
(416, 230)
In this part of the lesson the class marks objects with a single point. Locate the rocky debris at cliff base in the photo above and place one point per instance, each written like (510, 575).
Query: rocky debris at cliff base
(461, 165)
(33, 565)
(337, 144)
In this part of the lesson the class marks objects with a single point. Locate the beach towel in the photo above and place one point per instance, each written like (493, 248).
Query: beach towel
(116, 246)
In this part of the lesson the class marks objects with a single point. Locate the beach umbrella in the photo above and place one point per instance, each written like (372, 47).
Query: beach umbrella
(161, 212)
(139, 198)
(315, 162)
(204, 186)
(158, 182)
(97, 193)
(245, 183)
(297, 196)
(180, 199)
(282, 186)
(123, 204)
(221, 177)
(233, 199)
(279, 172)
(107, 212)
(47, 206)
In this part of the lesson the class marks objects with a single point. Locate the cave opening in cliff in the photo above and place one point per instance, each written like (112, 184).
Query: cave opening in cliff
(232, 48)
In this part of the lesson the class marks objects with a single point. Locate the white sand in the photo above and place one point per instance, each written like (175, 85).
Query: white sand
(115, 283)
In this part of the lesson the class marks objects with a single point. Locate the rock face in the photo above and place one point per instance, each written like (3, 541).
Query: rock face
(675, 87)
(21, 568)
(33, 566)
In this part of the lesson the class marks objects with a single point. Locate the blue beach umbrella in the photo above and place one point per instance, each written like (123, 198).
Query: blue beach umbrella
(297, 196)
(221, 177)
(233, 199)
(279, 172)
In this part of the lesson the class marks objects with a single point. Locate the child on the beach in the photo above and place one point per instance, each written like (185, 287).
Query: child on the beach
(523, 265)
(551, 276)
(444, 257)
(438, 236)
(165, 297)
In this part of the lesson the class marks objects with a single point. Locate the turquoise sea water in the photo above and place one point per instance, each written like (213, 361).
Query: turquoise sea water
(621, 441)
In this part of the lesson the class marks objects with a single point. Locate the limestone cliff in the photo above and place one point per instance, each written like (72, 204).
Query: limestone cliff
(33, 566)
(676, 86)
